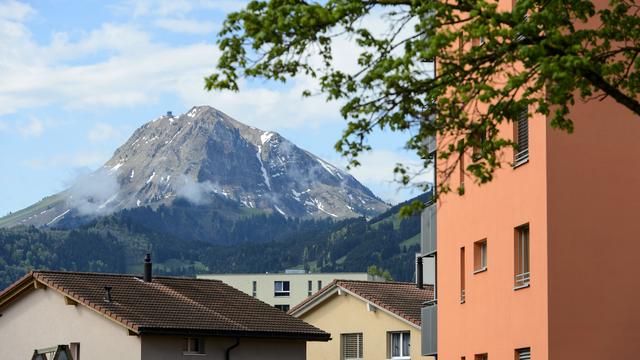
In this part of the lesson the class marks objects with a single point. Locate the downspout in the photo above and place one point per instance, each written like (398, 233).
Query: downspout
(228, 351)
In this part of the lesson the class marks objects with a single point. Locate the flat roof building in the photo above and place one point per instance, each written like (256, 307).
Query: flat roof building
(284, 290)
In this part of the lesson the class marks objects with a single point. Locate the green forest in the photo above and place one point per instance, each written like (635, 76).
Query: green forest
(185, 240)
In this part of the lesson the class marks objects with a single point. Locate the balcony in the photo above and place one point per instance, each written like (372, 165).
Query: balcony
(428, 230)
(429, 333)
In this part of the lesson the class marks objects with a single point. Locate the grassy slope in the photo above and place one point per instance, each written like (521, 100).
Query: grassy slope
(14, 219)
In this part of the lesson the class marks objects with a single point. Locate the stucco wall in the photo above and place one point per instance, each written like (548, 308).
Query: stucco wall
(594, 205)
(494, 319)
(170, 348)
(299, 284)
(342, 314)
(40, 319)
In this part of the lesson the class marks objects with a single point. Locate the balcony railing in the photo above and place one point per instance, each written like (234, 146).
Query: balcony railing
(428, 230)
(522, 279)
(429, 329)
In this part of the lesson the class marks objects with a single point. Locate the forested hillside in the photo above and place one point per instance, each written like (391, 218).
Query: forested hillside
(186, 240)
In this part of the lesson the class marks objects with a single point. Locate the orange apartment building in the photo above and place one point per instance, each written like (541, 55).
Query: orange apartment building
(542, 262)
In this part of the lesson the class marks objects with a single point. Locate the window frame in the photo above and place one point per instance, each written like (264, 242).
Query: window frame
(401, 346)
(523, 351)
(284, 291)
(186, 346)
(521, 156)
(463, 280)
(522, 257)
(480, 256)
(283, 307)
(359, 346)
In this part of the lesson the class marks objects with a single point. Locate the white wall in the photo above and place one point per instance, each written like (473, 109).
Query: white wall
(299, 284)
(170, 348)
(41, 319)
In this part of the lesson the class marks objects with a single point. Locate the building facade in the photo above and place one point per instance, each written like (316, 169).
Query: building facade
(284, 290)
(367, 320)
(539, 263)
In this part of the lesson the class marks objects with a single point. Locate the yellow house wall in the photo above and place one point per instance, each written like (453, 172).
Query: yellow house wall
(343, 314)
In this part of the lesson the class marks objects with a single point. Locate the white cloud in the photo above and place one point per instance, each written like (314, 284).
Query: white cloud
(33, 129)
(139, 73)
(376, 172)
(189, 26)
(101, 132)
(15, 10)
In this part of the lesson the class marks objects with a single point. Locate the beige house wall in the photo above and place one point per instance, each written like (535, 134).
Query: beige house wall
(170, 348)
(41, 319)
(343, 314)
(299, 284)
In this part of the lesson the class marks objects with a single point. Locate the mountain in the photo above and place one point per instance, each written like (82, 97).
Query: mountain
(205, 157)
(187, 240)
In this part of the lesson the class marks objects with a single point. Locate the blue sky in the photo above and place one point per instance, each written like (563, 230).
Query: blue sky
(79, 76)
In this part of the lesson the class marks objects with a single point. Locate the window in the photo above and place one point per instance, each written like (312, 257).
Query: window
(309, 288)
(522, 275)
(399, 345)
(522, 137)
(319, 284)
(352, 346)
(462, 277)
(480, 256)
(255, 288)
(192, 345)
(461, 188)
(282, 288)
(283, 307)
(523, 354)
(482, 357)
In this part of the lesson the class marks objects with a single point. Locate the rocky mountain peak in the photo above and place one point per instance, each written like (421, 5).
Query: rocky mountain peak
(204, 155)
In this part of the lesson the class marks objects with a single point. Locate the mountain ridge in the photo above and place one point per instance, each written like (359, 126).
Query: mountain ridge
(203, 155)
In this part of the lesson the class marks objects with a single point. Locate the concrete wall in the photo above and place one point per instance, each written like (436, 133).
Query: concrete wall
(594, 204)
(299, 284)
(40, 319)
(343, 314)
(170, 348)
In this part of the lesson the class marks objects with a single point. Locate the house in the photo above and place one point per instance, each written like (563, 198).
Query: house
(284, 290)
(125, 317)
(367, 320)
(516, 257)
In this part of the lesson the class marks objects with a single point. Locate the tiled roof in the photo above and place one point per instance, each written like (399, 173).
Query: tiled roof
(402, 299)
(170, 305)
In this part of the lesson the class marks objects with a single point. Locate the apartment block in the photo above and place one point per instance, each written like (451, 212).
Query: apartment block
(284, 290)
(541, 263)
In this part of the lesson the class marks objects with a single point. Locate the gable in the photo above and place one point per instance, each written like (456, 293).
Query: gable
(26, 324)
(344, 307)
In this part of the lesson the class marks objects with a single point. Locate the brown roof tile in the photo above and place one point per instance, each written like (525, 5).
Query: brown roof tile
(402, 299)
(172, 305)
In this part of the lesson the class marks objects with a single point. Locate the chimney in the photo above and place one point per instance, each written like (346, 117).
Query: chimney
(419, 272)
(107, 296)
(147, 268)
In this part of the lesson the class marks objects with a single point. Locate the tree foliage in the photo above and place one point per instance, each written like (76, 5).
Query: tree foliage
(187, 240)
(544, 55)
